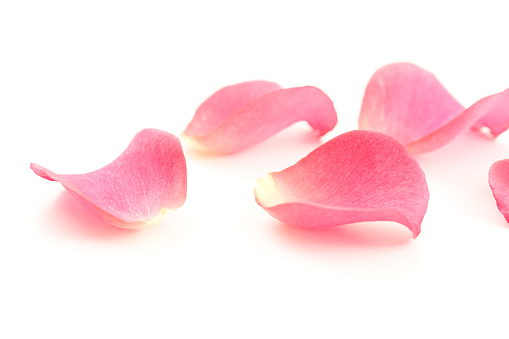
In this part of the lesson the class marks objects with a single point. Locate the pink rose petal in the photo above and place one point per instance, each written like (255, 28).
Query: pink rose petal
(240, 116)
(357, 176)
(499, 183)
(138, 188)
(411, 105)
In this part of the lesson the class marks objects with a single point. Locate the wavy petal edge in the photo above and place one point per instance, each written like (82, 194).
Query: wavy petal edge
(240, 116)
(137, 189)
(410, 104)
(357, 176)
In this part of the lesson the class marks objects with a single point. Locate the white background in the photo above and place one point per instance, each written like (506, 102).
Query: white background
(79, 79)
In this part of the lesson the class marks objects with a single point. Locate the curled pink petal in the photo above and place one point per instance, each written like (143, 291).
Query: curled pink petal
(243, 115)
(499, 183)
(357, 176)
(148, 180)
(411, 105)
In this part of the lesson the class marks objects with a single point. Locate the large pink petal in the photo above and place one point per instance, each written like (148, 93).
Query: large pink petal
(410, 104)
(138, 188)
(240, 116)
(357, 176)
(499, 183)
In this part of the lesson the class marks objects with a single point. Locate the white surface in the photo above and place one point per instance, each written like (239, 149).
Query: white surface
(79, 79)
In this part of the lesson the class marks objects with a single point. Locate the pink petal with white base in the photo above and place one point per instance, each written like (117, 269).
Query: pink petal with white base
(240, 116)
(411, 105)
(148, 180)
(357, 176)
(499, 183)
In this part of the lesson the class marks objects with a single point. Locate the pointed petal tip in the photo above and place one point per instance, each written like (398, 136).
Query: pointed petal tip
(41, 171)
(416, 230)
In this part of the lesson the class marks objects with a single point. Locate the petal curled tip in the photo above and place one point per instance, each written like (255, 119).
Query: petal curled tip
(410, 104)
(357, 176)
(499, 183)
(242, 115)
(146, 182)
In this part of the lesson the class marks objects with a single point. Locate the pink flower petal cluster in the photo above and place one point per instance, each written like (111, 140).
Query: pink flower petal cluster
(410, 104)
(362, 175)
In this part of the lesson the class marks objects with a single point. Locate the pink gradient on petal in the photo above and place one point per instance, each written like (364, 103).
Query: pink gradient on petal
(499, 183)
(243, 115)
(357, 176)
(496, 112)
(224, 103)
(145, 182)
(411, 105)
